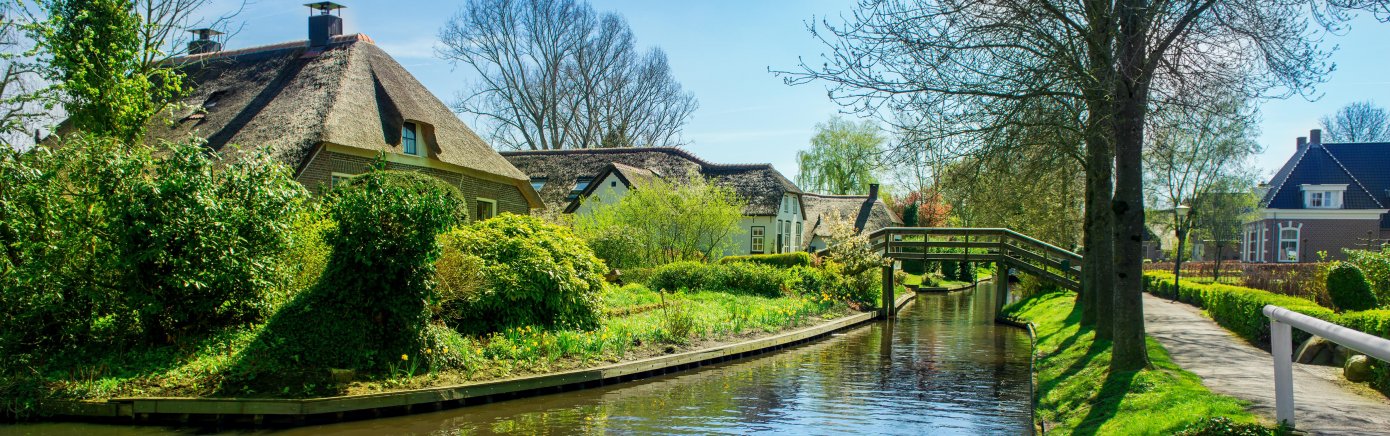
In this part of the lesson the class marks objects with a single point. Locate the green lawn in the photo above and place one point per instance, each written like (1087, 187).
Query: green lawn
(1163, 399)
(638, 323)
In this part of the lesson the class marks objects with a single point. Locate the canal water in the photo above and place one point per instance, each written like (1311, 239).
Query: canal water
(943, 367)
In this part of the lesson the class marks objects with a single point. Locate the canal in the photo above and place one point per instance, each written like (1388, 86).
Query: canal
(943, 367)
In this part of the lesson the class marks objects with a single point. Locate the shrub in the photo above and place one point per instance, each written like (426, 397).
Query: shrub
(1239, 309)
(659, 222)
(966, 273)
(200, 246)
(950, 270)
(1347, 287)
(734, 278)
(371, 305)
(536, 274)
(785, 260)
(1375, 322)
(1376, 266)
(1305, 280)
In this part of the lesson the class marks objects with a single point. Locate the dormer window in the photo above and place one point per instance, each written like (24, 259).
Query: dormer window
(408, 139)
(537, 183)
(579, 185)
(1323, 196)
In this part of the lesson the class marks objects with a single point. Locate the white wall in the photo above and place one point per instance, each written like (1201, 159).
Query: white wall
(609, 190)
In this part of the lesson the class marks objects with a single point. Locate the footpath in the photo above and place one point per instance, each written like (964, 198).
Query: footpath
(1230, 366)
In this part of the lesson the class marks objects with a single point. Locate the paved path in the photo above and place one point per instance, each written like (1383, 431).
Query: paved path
(1228, 365)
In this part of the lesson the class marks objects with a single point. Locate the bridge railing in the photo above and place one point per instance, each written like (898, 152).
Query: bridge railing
(1281, 321)
(980, 245)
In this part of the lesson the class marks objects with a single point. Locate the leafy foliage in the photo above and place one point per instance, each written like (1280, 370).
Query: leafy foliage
(93, 51)
(798, 258)
(1376, 266)
(537, 274)
(842, 158)
(1347, 286)
(660, 222)
(735, 277)
(372, 304)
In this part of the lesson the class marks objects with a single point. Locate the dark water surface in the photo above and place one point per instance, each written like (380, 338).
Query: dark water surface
(943, 367)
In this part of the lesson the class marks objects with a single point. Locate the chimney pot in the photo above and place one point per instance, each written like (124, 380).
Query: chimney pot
(324, 26)
(1315, 136)
(1302, 142)
(873, 191)
(205, 42)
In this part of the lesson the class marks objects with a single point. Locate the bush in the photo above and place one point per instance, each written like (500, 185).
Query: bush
(966, 273)
(200, 246)
(785, 260)
(1347, 287)
(1375, 322)
(1376, 266)
(371, 305)
(734, 278)
(660, 221)
(535, 274)
(950, 270)
(1239, 309)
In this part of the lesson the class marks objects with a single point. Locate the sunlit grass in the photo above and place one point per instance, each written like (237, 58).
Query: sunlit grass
(1077, 394)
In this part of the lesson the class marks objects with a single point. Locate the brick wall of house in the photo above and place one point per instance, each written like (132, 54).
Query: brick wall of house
(1329, 235)
(317, 175)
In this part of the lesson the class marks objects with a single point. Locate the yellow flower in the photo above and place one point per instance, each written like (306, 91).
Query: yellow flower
(405, 357)
(445, 350)
(429, 351)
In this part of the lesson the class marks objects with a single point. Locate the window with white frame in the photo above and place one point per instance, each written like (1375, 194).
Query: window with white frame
(798, 234)
(1323, 196)
(486, 208)
(1251, 242)
(1288, 244)
(338, 179)
(756, 237)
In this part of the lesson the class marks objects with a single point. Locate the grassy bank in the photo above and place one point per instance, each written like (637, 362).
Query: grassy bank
(639, 323)
(1163, 399)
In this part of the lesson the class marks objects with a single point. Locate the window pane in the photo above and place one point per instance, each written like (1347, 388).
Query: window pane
(408, 138)
(537, 184)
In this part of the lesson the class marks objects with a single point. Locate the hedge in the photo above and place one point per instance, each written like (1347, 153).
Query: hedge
(734, 277)
(1240, 310)
(785, 260)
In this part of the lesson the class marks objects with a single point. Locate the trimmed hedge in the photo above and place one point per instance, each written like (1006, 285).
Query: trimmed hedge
(785, 260)
(1347, 286)
(1240, 310)
(734, 277)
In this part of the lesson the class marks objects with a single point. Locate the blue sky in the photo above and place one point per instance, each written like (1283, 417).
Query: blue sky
(721, 51)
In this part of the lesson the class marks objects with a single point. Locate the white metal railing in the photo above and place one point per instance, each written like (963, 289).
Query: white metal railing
(1281, 343)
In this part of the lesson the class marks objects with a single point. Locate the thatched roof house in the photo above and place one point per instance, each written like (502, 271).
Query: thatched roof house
(868, 213)
(329, 106)
(562, 177)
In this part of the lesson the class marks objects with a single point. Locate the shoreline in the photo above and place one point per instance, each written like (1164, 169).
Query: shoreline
(300, 411)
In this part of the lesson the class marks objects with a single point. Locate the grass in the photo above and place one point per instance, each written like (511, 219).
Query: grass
(916, 280)
(639, 323)
(1077, 394)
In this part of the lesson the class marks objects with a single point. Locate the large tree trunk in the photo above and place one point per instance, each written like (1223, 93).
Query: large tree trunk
(1131, 103)
(1097, 269)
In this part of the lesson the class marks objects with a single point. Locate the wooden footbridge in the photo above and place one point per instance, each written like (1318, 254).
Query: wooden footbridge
(1003, 247)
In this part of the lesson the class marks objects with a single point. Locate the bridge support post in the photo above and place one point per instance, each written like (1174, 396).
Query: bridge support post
(1001, 285)
(890, 306)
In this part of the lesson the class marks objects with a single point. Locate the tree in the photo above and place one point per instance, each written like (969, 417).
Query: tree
(842, 158)
(24, 107)
(964, 71)
(924, 208)
(1192, 150)
(1360, 121)
(109, 59)
(555, 74)
(659, 222)
(1220, 215)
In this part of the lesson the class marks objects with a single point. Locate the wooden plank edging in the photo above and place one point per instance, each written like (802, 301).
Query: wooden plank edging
(299, 407)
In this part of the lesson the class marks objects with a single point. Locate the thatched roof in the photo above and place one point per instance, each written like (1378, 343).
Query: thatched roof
(760, 185)
(291, 98)
(868, 213)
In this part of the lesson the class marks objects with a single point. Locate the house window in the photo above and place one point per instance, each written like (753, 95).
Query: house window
(1288, 244)
(1323, 196)
(798, 233)
(579, 184)
(1251, 242)
(408, 142)
(756, 236)
(487, 208)
(537, 183)
(338, 179)
(786, 236)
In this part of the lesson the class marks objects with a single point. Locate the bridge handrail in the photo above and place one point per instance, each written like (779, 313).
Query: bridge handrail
(948, 231)
(1281, 349)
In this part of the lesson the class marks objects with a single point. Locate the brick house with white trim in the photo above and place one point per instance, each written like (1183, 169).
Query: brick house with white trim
(1327, 197)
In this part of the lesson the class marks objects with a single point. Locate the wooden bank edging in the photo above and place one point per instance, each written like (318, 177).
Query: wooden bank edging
(1038, 427)
(448, 396)
(938, 289)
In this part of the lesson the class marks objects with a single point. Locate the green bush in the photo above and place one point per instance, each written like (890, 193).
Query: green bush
(1375, 322)
(966, 272)
(950, 270)
(200, 246)
(536, 274)
(1348, 287)
(1239, 309)
(785, 260)
(1376, 266)
(734, 277)
(372, 304)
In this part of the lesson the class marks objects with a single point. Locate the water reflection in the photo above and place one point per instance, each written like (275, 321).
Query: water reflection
(942, 367)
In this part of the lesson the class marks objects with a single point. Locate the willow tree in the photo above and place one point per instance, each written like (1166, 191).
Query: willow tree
(842, 159)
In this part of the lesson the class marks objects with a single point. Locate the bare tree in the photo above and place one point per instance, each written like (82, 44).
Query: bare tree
(1360, 121)
(23, 106)
(555, 74)
(1193, 149)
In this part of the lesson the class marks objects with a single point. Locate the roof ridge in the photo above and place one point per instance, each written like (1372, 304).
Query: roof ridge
(340, 39)
(1283, 176)
(678, 151)
(1353, 177)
